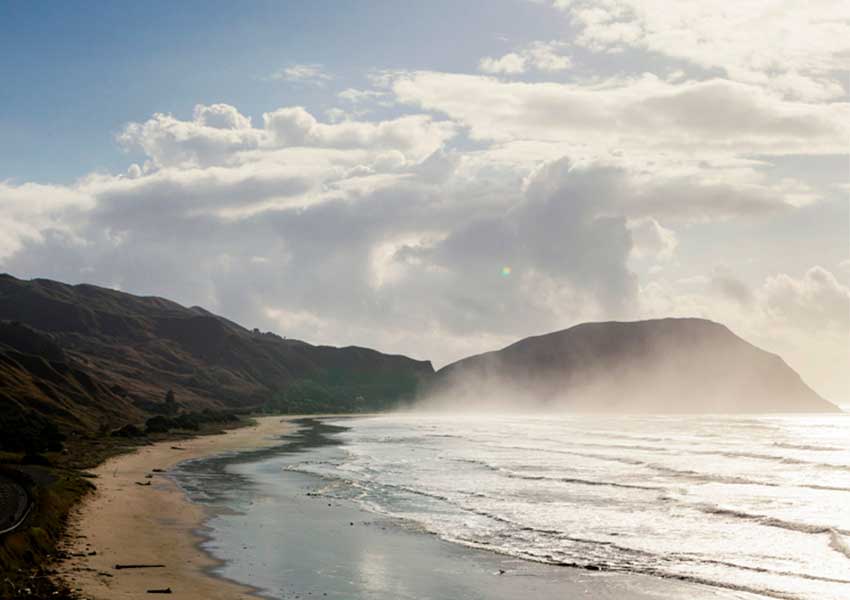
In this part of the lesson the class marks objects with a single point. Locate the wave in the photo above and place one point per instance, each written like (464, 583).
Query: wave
(510, 474)
(753, 569)
(525, 541)
(769, 521)
(788, 460)
(838, 543)
(630, 560)
(698, 475)
(579, 481)
(788, 446)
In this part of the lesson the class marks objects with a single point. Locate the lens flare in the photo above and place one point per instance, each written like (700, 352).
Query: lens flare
(506, 271)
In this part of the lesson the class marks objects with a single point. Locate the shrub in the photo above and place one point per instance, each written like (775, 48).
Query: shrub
(158, 424)
(128, 431)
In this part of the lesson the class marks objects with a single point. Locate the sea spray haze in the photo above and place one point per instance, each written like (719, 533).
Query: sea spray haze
(654, 366)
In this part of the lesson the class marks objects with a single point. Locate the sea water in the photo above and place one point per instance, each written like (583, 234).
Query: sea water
(758, 504)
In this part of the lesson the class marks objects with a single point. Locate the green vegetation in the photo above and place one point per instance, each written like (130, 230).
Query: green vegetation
(188, 421)
(28, 431)
(23, 552)
(339, 390)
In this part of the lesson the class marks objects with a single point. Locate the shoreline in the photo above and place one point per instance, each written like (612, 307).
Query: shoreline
(138, 516)
(289, 540)
(337, 542)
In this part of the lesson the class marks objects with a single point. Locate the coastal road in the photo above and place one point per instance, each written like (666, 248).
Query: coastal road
(14, 504)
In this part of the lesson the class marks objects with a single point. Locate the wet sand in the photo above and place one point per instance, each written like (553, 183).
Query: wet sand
(127, 523)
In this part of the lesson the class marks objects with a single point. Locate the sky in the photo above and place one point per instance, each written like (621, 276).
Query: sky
(440, 178)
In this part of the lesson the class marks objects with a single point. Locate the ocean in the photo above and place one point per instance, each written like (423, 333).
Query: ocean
(749, 504)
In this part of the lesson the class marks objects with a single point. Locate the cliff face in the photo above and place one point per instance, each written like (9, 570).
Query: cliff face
(136, 348)
(664, 366)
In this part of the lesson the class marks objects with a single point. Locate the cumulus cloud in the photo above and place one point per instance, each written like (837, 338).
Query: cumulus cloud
(451, 230)
(213, 135)
(652, 240)
(541, 56)
(805, 318)
(816, 300)
(509, 64)
(632, 114)
(30, 210)
(219, 135)
(415, 136)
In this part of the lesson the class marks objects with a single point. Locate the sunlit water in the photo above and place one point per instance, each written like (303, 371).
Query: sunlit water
(750, 503)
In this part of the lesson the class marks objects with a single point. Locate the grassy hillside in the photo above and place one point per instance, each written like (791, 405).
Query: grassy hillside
(138, 348)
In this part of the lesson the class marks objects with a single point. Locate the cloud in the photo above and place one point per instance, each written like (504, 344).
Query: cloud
(795, 48)
(32, 209)
(631, 114)
(652, 240)
(313, 74)
(299, 236)
(213, 135)
(415, 136)
(816, 300)
(356, 96)
(732, 288)
(434, 234)
(805, 318)
(509, 64)
(541, 56)
(219, 135)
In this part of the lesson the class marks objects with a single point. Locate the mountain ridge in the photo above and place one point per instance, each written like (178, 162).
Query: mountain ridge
(137, 348)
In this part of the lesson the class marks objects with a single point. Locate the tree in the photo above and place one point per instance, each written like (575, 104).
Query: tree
(171, 406)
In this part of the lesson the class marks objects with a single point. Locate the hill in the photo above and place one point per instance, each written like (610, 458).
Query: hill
(663, 366)
(83, 355)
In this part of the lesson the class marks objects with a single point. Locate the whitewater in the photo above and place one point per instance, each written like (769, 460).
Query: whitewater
(759, 504)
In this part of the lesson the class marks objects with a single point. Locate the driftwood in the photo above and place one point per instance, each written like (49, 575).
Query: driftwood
(145, 483)
(119, 567)
(158, 470)
(177, 448)
(160, 591)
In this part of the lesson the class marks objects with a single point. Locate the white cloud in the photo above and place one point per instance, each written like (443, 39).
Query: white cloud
(806, 319)
(220, 135)
(632, 114)
(213, 136)
(817, 300)
(31, 209)
(797, 48)
(415, 136)
(220, 116)
(508, 64)
(652, 240)
(313, 74)
(542, 56)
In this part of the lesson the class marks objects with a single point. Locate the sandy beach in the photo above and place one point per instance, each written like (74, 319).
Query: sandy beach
(126, 523)
(274, 531)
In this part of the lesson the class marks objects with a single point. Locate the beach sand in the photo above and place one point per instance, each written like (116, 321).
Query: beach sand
(126, 523)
